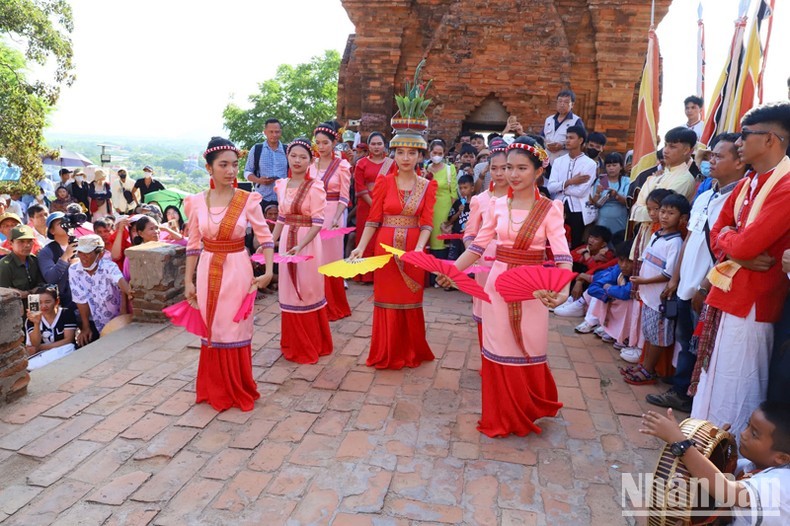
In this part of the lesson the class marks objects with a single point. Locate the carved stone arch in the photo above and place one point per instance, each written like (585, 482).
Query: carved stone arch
(489, 115)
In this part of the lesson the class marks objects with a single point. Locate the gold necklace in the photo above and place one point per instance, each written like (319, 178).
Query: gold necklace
(510, 221)
(220, 214)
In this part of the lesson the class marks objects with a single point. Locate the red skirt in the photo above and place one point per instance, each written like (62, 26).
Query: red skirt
(514, 397)
(398, 339)
(480, 334)
(336, 302)
(224, 378)
(305, 336)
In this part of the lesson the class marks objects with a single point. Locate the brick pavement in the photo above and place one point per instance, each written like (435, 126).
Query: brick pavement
(331, 443)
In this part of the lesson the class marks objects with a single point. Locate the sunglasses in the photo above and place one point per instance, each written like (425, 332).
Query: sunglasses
(745, 134)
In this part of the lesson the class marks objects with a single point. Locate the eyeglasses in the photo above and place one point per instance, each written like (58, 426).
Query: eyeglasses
(745, 134)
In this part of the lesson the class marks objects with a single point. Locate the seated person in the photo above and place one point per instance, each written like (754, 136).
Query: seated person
(587, 259)
(459, 214)
(96, 285)
(103, 229)
(8, 221)
(19, 270)
(56, 258)
(761, 491)
(50, 330)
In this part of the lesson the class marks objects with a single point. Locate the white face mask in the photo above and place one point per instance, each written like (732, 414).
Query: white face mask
(436, 159)
(79, 178)
(93, 265)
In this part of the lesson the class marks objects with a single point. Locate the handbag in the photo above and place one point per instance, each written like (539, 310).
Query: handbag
(669, 308)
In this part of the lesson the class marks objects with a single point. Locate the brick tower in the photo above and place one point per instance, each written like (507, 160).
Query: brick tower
(490, 59)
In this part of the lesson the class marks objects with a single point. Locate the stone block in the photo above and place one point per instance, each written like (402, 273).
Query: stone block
(157, 278)
(13, 356)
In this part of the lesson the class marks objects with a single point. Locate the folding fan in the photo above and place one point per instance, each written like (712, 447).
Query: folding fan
(521, 283)
(475, 269)
(271, 222)
(461, 281)
(336, 232)
(258, 258)
(449, 236)
(185, 315)
(392, 250)
(348, 269)
(279, 258)
(246, 307)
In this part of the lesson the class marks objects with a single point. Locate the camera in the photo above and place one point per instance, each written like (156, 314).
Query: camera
(72, 221)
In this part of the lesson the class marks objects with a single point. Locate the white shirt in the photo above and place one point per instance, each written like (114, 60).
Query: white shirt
(99, 291)
(576, 195)
(697, 128)
(119, 202)
(554, 133)
(660, 258)
(769, 498)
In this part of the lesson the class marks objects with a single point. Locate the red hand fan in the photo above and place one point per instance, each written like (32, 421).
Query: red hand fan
(185, 315)
(278, 258)
(431, 264)
(449, 236)
(520, 284)
(336, 232)
(246, 307)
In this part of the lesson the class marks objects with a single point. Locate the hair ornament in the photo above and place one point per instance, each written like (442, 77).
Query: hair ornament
(537, 151)
(220, 148)
(327, 130)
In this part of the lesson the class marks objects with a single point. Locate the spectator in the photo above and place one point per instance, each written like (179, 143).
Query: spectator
(9, 221)
(689, 281)
(65, 178)
(47, 189)
(468, 156)
(145, 229)
(446, 193)
(123, 193)
(477, 141)
(50, 331)
(587, 260)
(267, 162)
(100, 195)
(79, 190)
(693, 107)
(751, 233)
(556, 126)
(62, 199)
(459, 214)
(96, 285)
(637, 184)
(19, 270)
(16, 205)
(572, 178)
(175, 220)
(55, 258)
(610, 195)
(482, 175)
(38, 220)
(3, 204)
(103, 229)
(147, 184)
(595, 143)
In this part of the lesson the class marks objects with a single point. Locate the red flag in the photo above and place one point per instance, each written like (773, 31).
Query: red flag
(646, 131)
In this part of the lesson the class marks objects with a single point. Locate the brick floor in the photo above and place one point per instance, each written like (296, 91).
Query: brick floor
(331, 443)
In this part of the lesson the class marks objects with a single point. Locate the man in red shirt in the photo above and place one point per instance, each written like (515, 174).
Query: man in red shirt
(749, 287)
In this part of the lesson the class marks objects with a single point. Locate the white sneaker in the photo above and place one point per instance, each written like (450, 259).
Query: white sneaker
(571, 310)
(631, 354)
(599, 331)
(585, 328)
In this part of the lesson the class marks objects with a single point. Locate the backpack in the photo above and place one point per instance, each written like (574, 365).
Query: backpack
(256, 157)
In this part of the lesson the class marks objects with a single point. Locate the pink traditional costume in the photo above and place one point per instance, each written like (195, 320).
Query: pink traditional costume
(337, 182)
(478, 208)
(224, 274)
(305, 323)
(518, 387)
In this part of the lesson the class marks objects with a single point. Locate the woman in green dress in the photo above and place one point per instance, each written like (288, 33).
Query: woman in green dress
(447, 192)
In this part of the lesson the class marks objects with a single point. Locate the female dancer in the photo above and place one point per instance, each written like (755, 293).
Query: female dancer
(305, 333)
(518, 387)
(478, 208)
(402, 215)
(366, 171)
(218, 219)
(446, 193)
(335, 173)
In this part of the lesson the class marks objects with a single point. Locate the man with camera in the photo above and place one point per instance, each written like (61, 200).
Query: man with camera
(56, 257)
(19, 270)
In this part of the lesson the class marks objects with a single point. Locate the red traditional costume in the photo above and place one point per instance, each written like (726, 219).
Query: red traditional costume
(365, 174)
(224, 274)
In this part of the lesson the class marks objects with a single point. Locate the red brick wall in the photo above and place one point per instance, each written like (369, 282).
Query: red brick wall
(520, 51)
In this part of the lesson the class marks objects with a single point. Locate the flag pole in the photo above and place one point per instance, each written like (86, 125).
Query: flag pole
(653, 14)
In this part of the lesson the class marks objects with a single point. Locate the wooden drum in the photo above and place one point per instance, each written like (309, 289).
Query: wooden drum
(672, 498)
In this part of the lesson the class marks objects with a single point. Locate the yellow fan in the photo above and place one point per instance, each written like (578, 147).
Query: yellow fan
(392, 250)
(348, 269)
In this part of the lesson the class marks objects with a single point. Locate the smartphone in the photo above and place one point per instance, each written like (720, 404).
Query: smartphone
(34, 303)
(604, 181)
(173, 223)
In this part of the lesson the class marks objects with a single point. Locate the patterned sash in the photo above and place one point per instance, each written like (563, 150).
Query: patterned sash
(293, 229)
(224, 242)
(330, 171)
(523, 240)
(399, 238)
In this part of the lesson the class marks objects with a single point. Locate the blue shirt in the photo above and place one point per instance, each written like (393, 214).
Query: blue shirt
(273, 163)
(704, 186)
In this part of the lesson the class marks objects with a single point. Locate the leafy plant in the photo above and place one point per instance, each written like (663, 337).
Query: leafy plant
(413, 104)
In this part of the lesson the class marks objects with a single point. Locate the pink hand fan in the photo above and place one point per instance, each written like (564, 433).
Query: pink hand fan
(258, 258)
(521, 283)
(475, 269)
(336, 232)
(278, 258)
(185, 315)
(246, 307)
(271, 222)
(431, 264)
(449, 236)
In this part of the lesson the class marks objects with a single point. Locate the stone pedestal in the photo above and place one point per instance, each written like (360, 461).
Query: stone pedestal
(157, 271)
(13, 356)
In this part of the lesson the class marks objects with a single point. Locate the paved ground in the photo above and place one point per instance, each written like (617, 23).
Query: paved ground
(111, 435)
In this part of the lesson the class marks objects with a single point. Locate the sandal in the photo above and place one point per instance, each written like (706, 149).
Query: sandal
(630, 370)
(641, 377)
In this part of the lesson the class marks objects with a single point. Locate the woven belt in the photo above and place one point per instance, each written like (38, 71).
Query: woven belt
(224, 247)
(401, 221)
(298, 220)
(513, 256)
(333, 196)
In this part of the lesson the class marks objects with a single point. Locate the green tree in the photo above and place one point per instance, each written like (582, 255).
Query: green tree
(300, 96)
(41, 27)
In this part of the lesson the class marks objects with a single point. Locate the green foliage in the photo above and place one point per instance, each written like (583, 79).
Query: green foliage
(41, 28)
(300, 97)
(412, 104)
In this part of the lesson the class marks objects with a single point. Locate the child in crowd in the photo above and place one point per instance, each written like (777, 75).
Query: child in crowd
(587, 259)
(761, 490)
(459, 214)
(609, 297)
(658, 265)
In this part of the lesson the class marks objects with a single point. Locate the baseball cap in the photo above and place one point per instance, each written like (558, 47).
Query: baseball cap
(65, 171)
(53, 216)
(89, 243)
(22, 232)
(10, 215)
(148, 168)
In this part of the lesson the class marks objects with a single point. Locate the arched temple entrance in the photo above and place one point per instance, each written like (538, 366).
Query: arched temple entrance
(490, 116)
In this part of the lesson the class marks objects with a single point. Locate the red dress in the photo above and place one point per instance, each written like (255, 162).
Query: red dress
(398, 323)
(365, 174)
